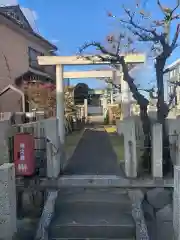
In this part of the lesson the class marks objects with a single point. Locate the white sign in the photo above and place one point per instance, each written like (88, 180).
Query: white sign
(22, 146)
(22, 167)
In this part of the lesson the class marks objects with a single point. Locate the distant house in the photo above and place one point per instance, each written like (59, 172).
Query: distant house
(173, 76)
(19, 48)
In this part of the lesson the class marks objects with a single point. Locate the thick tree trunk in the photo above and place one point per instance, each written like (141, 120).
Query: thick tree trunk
(143, 103)
(146, 157)
(162, 112)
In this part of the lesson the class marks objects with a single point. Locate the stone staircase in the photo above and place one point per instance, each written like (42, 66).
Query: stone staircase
(96, 119)
(92, 214)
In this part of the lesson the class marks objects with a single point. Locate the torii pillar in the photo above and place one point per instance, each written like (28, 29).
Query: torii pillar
(60, 102)
(125, 92)
(125, 98)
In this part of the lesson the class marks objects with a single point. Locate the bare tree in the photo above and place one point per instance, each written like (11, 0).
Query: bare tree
(139, 26)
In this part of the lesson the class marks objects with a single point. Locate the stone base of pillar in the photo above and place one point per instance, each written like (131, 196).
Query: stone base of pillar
(126, 110)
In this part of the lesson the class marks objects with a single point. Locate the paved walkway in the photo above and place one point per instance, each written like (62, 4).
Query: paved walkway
(83, 213)
(94, 155)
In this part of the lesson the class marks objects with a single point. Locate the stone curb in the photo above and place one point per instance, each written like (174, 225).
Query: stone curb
(46, 217)
(67, 160)
(136, 197)
(48, 210)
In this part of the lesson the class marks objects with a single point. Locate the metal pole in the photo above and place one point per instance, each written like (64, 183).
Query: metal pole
(60, 102)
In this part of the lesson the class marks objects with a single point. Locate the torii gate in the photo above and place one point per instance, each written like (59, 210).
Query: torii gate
(60, 62)
(116, 76)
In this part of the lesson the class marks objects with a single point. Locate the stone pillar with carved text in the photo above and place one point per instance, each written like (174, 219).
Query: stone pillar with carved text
(157, 151)
(131, 165)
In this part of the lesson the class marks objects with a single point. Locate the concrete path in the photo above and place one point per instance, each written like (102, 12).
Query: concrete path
(94, 155)
(82, 213)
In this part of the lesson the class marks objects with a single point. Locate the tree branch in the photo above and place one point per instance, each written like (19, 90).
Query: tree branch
(141, 37)
(160, 6)
(166, 70)
(167, 11)
(150, 91)
(175, 38)
(107, 80)
(155, 36)
(114, 59)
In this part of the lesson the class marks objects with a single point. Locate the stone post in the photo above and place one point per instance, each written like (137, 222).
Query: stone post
(55, 160)
(53, 165)
(81, 112)
(50, 165)
(178, 151)
(130, 148)
(176, 203)
(5, 130)
(105, 103)
(85, 109)
(8, 224)
(157, 151)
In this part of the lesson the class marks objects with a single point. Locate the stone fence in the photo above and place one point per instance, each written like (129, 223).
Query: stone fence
(45, 137)
(131, 128)
(8, 221)
(134, 144)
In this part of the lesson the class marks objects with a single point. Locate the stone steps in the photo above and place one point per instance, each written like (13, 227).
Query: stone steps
(90, 195)
(92, 214)
(120, 231)
(92, 239)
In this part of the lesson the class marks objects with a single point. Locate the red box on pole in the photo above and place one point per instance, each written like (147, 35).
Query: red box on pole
(24, 154)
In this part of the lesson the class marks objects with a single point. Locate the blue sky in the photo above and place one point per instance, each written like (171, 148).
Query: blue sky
(70, 23)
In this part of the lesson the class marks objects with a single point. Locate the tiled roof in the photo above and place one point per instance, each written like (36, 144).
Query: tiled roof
(15, 15)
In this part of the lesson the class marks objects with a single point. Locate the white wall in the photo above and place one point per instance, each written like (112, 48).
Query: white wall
(95, 110)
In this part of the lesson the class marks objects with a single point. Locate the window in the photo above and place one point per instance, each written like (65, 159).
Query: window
(171, 74)
(174, 73)
(33, 62)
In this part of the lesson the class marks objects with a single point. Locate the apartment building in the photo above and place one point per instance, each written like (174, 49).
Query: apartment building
(173, 76)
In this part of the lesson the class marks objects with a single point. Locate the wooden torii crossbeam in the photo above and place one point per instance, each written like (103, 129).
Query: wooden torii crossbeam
(60, 62)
